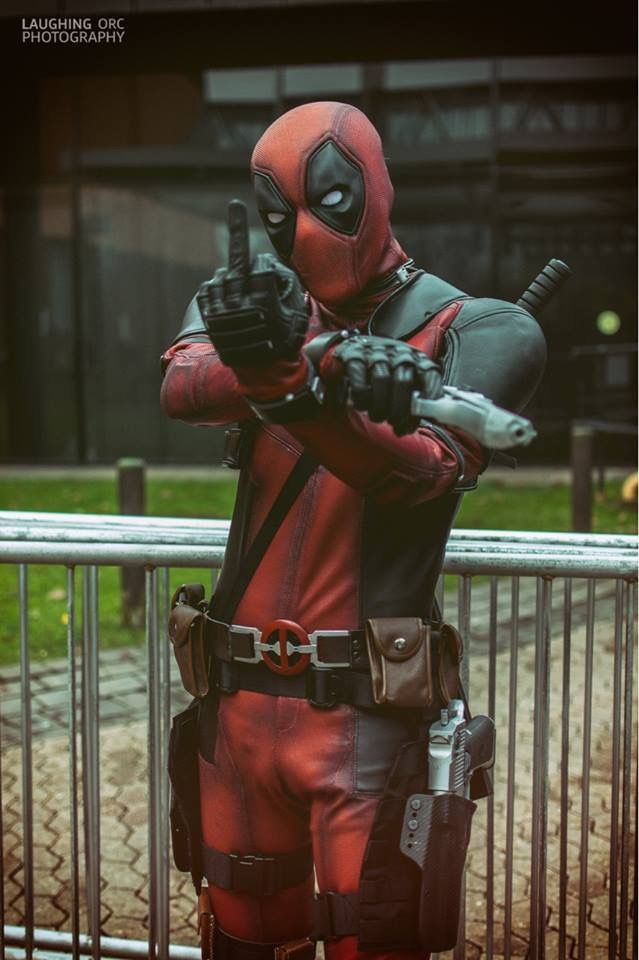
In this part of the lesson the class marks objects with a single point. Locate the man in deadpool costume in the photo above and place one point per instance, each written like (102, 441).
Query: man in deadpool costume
(294, 753)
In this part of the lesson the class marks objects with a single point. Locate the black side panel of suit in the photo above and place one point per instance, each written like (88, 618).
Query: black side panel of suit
(492, 347)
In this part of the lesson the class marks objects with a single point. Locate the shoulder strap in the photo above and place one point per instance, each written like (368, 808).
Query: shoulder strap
(412, 305)
(223, 607)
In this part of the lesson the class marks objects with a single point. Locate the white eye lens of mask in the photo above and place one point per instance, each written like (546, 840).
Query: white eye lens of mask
(275, 218)
(332, 198)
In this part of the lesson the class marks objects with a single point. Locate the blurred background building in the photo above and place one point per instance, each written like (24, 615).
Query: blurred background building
(508, 143)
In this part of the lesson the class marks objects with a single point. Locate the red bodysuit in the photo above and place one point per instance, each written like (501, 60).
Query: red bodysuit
(366, 536)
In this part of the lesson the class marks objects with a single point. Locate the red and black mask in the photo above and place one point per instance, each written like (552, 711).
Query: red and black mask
(324, 196)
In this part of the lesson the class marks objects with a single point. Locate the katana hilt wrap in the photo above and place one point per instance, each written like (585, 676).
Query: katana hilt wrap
(545, 285)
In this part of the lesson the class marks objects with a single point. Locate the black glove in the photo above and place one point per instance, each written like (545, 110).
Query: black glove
(383, 374)
(253, 312)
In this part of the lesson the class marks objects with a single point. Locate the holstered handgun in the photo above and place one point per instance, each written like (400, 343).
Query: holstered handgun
(436, 826)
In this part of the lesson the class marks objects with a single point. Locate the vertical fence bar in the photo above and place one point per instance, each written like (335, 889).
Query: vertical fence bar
(631, 606)
(27, 758)
(540, 770)
(463, 611)
(635, 879)
(439, 594)
(512, 748)
(165, 713)
(585, 770)
(74, 892)
(490, 801)
(2, 914)
(565, 757)
(463, 618)
(91, 752)
(613, 866)
(154, 736)
(2, 875)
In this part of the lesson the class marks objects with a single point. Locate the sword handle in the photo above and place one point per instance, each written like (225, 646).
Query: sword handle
(545, 285)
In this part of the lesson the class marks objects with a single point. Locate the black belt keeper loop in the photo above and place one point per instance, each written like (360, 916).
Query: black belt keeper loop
(325, 689)
(226, 677)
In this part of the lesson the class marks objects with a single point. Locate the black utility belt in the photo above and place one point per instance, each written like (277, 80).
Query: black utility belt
(322, 687)
(392, 661)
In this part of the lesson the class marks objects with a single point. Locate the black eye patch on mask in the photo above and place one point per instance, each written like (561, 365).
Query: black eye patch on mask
(270, 200)
(329, 170)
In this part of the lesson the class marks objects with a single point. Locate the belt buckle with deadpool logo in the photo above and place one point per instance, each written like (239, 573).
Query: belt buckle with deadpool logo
(285, 647)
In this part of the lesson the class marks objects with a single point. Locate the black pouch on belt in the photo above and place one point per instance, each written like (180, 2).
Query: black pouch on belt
(186, 830)
(435, 835)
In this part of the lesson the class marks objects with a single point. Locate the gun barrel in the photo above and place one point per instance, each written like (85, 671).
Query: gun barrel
(491, 425)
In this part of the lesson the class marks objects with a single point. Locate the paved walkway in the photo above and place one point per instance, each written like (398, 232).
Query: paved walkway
(123, 707)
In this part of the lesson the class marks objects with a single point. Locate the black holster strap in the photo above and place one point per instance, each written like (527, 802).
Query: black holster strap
(336, 915)
(257, 874)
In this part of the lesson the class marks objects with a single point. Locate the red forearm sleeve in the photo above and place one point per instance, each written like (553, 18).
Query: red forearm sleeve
(198, 388)
(368, 456)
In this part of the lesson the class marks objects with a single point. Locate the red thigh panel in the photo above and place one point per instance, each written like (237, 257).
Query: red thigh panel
(284, 773)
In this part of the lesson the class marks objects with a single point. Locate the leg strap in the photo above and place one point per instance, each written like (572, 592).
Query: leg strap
(230, 948)
(257, 874)
(336, 915)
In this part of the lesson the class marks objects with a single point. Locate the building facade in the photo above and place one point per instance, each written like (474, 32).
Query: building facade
(115, 191)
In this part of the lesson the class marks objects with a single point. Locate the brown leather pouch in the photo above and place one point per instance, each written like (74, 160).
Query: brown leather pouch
(413, 664)
(187, 633)
(399, 651)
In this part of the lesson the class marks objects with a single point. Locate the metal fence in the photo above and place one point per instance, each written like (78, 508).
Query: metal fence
(549, 623)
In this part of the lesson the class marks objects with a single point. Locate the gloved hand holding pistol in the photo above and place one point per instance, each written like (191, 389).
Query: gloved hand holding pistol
(383, 374)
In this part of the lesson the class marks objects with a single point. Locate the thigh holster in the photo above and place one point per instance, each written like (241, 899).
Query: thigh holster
(389, 881)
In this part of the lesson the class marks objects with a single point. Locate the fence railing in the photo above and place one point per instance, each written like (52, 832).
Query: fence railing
(549, 623)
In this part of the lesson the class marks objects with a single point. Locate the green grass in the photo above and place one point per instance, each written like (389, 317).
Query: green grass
(47, 602)
(165, 498)
(491, 506)
(496, 506)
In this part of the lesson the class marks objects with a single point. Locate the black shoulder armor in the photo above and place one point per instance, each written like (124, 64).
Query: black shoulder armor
(492, 346)
(192, 326)
(412, 305)
(497, 349)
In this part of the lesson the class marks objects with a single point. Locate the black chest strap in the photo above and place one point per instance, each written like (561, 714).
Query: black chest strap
(225, 601)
